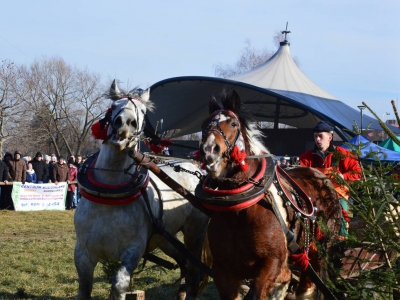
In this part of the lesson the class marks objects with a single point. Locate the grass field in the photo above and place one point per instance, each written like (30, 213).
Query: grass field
(36, 261)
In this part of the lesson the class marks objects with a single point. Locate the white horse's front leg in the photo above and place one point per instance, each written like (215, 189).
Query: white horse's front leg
(122, 278)
(85, 265)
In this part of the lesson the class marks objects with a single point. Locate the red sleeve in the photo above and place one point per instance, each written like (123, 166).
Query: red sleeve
(350, 167)
(306, 159)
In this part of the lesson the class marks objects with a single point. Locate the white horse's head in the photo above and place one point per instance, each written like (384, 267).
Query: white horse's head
(127, 116)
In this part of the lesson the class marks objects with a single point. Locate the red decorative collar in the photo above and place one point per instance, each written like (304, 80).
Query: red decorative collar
(110, 194)
(234, 192)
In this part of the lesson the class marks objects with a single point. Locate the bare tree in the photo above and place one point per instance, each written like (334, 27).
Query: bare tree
(10, 106)
(65, 101)
(249, 59)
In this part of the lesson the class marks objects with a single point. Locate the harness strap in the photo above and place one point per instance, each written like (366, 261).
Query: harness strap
(294, 247)
(160, 229)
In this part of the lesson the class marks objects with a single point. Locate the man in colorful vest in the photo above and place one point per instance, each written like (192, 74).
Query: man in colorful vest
(330, 159)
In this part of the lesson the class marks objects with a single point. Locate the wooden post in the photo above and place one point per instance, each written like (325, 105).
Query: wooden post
(135, 295)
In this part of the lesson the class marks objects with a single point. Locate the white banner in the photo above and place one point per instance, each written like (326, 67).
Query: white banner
(31, 196)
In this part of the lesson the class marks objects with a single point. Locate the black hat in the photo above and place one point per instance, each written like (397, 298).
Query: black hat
(17, 152)
(39, 154)
(70, 161)
(323, 127)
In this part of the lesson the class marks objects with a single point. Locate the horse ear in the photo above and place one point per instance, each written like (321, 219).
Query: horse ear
(234, 102)
(213, 105)
(114, 93)
(146, 95)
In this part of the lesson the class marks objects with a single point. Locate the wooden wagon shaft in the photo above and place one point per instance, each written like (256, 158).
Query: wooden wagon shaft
(146, 162)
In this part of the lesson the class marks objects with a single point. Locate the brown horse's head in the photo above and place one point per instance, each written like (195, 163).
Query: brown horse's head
(225, 134)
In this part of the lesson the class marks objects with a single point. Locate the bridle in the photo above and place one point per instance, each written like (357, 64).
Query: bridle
(134, 137)
(214, 126)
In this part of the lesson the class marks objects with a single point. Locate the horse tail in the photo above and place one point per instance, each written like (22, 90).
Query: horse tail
(207, 259)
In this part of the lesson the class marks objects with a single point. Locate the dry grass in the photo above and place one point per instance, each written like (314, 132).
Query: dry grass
(36, 261)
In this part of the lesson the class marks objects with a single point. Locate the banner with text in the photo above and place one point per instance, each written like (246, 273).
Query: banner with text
(31, 196)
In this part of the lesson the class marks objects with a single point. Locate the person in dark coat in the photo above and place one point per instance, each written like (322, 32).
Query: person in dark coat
(60, 171)
(17, 168)
(4, 178)
(40, 167)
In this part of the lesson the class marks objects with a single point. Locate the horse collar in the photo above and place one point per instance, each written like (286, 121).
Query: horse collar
(116, 194)
(241, 197)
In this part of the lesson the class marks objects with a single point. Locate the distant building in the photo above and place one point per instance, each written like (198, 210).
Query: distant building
(392, 122)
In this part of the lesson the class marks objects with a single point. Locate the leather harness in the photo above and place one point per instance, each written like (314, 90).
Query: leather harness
(117, 194)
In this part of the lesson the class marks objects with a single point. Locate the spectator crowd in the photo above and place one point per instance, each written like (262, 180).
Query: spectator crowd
(41, 169)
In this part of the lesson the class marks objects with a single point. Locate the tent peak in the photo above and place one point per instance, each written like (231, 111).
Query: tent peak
(285, 42)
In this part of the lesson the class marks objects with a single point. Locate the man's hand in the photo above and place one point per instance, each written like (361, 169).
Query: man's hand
(5, 182)
(56, 183)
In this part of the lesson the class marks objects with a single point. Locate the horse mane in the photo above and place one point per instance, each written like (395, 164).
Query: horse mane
(254, 136)
(115, 93)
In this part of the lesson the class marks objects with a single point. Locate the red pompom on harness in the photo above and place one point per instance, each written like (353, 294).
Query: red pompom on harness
(301, 259)
(97, 133)
(238, 157)
(157, 149)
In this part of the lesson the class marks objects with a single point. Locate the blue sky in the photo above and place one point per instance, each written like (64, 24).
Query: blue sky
(349, 48)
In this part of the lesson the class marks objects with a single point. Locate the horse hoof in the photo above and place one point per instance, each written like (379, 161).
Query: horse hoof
(181, 295)
(243, 290)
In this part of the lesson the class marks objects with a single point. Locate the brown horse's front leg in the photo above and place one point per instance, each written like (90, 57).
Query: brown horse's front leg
(272, 275)
(227, 285)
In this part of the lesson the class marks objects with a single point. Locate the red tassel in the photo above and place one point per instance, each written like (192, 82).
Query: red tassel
(165, 143)
(97, 133)
(319, 236)
(238, 158)
(345, 215)
(301, 260)
(196, 155)
(156, 148)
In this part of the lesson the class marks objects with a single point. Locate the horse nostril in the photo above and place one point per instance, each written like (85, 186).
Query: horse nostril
(216, 149)
(118, 121)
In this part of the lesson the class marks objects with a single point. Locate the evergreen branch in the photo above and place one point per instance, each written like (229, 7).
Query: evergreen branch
(383, 125)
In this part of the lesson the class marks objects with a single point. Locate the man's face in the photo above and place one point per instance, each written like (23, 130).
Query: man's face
(322, 140)
(17, 156)
(78, 159)
(61, 161)
(39, 158)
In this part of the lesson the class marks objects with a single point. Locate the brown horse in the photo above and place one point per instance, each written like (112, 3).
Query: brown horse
(246, 239)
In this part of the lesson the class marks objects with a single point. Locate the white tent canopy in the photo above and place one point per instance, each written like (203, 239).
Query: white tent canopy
(276, 91)
(281, 73)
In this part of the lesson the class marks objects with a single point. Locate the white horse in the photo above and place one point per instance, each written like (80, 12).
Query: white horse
(125, 232)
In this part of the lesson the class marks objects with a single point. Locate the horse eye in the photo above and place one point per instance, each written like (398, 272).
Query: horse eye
(233, 124)
(133, 123)
(113, 107)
